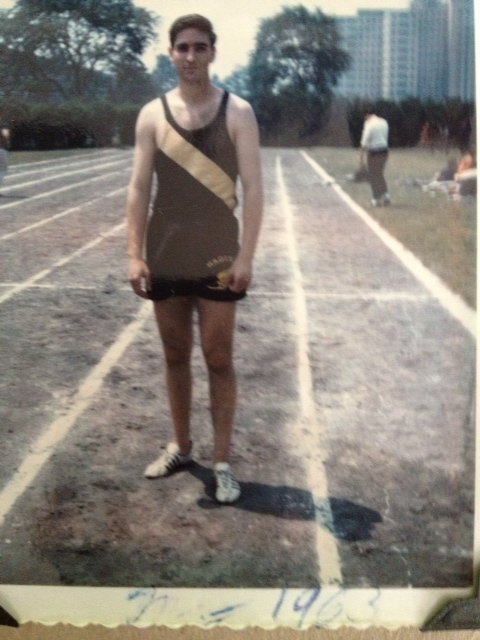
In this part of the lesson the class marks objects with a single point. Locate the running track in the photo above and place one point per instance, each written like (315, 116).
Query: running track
(354, 435)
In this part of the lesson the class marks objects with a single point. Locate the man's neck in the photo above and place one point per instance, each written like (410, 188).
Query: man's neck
(196, 93)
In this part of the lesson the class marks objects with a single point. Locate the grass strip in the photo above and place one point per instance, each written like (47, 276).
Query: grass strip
(439, 231)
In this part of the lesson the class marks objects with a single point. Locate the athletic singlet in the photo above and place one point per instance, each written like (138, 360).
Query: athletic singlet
(192, 232)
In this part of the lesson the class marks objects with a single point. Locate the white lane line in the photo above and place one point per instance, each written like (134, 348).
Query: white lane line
(46, 444)
(309, 432)
(26, 284)
(47, 194)
(393, 296)
(450, 301)
(80, 161)
(384, 296)
(65, 174)
(47, 172)
(61, 214)
(63, 287)
(62, 160)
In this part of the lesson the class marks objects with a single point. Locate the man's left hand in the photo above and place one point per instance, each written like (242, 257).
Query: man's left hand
(240, 276)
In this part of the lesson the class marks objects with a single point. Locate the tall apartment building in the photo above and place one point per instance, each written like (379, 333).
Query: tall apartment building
(461, 44)
(349, 83)
(368, 63)
(426, 51)
(430, 39)
(400, 58)
(365, 37)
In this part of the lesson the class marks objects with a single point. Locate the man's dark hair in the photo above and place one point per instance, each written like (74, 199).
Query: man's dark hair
(192, 21)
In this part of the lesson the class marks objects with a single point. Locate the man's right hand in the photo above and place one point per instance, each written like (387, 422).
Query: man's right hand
(139, 277)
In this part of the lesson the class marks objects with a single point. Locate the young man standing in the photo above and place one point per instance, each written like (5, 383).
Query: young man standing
(374, 143)
(197, 139)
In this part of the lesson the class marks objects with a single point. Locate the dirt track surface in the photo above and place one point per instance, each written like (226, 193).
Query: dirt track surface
(375, 481)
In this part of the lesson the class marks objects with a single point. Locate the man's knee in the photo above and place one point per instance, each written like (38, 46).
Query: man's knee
(218, 358)
(175, 326)
(177, 353)
(177, 346)
(216, 330)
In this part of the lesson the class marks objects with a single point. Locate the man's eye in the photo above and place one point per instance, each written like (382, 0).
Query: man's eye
(198, 48)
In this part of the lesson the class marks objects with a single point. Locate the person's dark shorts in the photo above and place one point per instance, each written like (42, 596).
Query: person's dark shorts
(209, 288)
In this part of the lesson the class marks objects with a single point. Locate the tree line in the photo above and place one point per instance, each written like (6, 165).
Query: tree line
(72, 75)
(411, 122)
(74, 124)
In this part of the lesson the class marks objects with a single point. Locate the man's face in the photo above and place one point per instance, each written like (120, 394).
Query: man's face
(192, 54)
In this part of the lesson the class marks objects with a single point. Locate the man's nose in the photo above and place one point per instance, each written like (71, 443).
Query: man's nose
(190, 53)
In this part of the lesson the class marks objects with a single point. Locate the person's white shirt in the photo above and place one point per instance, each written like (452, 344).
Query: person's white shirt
(374, 134)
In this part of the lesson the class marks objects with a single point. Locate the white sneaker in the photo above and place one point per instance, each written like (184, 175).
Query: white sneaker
(167, 462)
(228, 487)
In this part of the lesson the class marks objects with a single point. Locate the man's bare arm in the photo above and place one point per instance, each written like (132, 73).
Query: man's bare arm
(246, 138)
(138, 200)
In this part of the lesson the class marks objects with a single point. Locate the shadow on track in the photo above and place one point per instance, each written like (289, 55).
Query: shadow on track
(13, 196)
(344, 519)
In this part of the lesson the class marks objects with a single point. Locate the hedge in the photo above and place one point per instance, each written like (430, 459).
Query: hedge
(77, 124)
(70, 125)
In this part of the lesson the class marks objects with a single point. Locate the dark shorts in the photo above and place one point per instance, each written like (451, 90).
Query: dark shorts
(209, 288)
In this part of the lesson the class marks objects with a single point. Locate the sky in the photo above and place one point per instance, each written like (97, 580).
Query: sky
(236, 23)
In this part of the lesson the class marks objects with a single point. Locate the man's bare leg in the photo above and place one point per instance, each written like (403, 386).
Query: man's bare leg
(217, 322)
(174, 319)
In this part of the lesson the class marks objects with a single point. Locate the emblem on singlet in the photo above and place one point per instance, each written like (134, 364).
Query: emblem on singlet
(221, 282)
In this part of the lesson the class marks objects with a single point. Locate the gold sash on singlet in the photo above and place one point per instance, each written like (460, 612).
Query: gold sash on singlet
(198, 165)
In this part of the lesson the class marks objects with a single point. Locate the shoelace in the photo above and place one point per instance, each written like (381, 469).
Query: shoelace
(173, 461)
(227, 480)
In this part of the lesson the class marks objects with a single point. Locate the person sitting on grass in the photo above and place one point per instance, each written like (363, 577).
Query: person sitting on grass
(457, 179)
(443, 180)
(466, 177)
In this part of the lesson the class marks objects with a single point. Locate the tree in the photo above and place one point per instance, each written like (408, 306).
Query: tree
(132, 84)
(413, 120)
(62, 49)
(239, 82)
(295, 65)
(164, 75)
